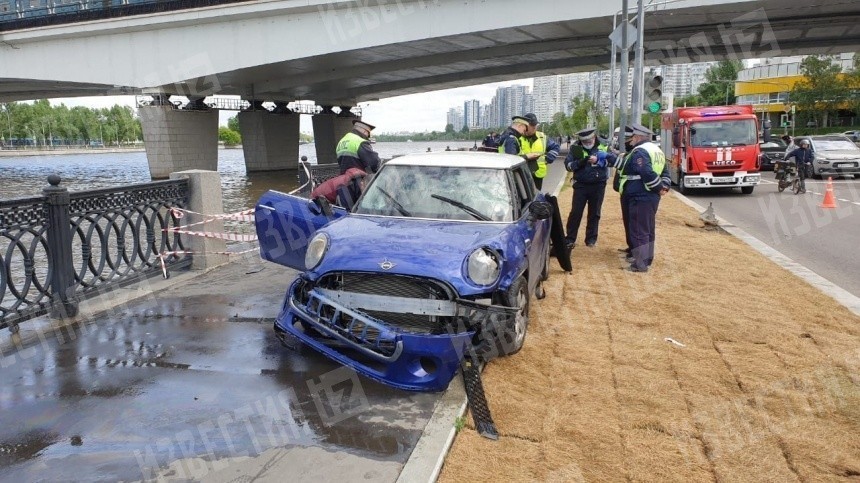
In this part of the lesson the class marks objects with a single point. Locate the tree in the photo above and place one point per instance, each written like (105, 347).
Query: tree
(718, 88)
(689, 101)
(228, 136)
(465, 130)
(852, 81)
(821, 90)
(449, 128)
(233, 124)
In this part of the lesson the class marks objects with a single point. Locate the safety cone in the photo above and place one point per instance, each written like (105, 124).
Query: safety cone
(829, 199)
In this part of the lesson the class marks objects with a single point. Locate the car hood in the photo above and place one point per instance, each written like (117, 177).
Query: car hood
(426, 248)
(839, 154)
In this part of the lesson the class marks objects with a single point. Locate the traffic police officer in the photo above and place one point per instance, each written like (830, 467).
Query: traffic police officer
(538, 149)
(509, 140)
(588, 161)
(644, 178)
(354, 150)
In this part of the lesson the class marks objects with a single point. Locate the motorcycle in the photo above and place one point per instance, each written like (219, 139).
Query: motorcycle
(786, 175)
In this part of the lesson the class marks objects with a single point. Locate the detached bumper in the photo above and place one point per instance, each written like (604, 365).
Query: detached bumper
(376, 349)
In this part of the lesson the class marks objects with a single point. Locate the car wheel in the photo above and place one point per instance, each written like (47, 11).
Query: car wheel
(814, 174)
(747, 190)
(494, 340)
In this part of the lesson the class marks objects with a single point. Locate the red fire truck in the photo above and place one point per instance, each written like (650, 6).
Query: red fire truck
(712, 147)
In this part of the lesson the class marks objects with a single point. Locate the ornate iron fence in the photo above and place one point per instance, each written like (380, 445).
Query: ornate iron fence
(111, 237)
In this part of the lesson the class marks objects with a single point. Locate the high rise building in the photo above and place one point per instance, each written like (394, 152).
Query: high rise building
(472, 114)
(455, 118)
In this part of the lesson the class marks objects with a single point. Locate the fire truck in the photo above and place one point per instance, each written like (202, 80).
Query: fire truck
(712, 147)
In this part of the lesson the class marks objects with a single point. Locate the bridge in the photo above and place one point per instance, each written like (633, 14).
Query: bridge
(339, 53)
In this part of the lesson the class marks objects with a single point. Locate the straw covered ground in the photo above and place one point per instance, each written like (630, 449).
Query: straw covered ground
(761, 383)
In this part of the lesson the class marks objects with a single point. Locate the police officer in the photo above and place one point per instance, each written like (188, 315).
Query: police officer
(590, 172)
(643, 179)
(509, 140)
(538, 149)
(354, 149)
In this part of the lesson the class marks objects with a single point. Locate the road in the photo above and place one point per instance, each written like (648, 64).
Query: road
(827, 241)
(177, 382)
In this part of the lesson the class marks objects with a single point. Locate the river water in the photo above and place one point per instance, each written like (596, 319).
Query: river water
(26, 176)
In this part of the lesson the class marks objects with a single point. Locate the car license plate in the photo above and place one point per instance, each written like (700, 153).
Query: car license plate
(844, 165)
(722, 180)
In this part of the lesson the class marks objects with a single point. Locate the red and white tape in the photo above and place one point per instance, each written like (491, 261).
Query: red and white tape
(244, 215)
(239, 237)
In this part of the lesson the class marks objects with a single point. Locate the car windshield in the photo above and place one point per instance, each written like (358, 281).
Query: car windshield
(773, 144)
(723, 133)
(438, 192)
(835, 145)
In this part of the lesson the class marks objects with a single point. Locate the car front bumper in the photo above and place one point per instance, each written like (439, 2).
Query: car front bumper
(378, 350)
(836, 168)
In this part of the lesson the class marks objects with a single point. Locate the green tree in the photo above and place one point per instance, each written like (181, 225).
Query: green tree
(465, 130)
(821, 90)
(449, 128)
(689, 101)
(718, 88)
(228, 136)
(233, 124)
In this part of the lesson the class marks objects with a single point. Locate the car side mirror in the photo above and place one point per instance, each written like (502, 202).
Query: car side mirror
(765, 130)
(540, 210)
(320, 206)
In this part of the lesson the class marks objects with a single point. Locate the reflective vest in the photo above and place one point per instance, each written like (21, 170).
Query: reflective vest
(658, 162)
(538, 146)
(502, 145)
(349, 144)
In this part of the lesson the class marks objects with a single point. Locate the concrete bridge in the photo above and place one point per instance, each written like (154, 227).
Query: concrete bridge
(338, 53)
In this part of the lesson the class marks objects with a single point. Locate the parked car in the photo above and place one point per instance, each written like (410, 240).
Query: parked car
(439, 256)
(835, 155)
(854, 136)
(771, 152)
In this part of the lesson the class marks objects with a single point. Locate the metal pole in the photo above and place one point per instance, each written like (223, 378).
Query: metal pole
(638, 81)
(60, 263)
(625, 67)
(612, 69)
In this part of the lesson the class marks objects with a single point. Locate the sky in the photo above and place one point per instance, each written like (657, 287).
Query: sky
(415, 112)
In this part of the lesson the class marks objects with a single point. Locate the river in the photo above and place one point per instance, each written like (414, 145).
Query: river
(26, 176)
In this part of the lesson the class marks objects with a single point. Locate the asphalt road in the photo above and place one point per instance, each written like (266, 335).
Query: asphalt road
(827, 241)
(195, 374)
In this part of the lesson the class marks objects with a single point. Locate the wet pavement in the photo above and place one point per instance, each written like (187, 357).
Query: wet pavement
(191, 381)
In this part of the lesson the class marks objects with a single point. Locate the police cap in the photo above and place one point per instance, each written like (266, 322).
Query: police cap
(363, 125)
(532, 119)
(586, 134)
(637, 130)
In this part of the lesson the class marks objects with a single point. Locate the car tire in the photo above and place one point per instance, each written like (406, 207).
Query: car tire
(495, 341)
(814, 174)
(747, 190)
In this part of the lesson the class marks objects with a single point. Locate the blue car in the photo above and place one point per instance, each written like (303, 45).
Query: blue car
(437, 260)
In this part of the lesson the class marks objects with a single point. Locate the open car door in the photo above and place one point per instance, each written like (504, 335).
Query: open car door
(285, 225)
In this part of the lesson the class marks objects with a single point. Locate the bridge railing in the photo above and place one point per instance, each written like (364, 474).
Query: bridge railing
(22, 14)
(62, 247)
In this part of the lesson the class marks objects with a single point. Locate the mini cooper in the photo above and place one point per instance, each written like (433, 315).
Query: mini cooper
(437, 260)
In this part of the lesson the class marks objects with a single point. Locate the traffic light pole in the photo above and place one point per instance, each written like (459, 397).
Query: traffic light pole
(638, 98)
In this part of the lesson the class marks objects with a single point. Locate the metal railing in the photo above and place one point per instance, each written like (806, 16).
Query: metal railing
(234, 104)
(20, 14)
(312, 175)
(62, 247)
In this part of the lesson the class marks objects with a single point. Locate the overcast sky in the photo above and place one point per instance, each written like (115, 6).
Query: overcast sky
(416, 112)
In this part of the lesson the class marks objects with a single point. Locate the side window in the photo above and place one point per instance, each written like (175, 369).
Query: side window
(524, 187)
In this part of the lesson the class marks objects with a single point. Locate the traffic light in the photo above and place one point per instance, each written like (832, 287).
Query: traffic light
(653, 92)
(785, 120)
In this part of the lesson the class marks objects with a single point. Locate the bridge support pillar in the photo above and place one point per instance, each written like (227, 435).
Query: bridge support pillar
(178, 140)
(328, 129)
(270, 141)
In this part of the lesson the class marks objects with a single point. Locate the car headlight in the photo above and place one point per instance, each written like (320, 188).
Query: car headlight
(316, 250)
(483, 266)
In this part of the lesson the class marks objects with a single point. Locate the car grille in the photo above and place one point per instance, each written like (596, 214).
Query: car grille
(395, 286)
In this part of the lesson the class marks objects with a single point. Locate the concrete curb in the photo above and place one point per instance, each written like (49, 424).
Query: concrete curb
(425, 462)
(834, 291)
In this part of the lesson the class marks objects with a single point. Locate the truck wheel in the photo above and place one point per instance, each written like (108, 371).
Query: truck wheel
(495, 341)
(747, 190)
(681, 188)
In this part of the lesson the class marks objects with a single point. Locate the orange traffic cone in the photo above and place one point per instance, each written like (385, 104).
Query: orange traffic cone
(829, 199)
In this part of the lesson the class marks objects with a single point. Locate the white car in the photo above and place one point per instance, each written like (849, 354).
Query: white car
(835, 155)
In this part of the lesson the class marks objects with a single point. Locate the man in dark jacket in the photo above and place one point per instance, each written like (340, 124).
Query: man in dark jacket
(803, 157)
(354, 150)
(588, 161)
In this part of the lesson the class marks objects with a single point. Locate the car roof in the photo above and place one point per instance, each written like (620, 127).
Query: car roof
(464, 159)
(832, 137)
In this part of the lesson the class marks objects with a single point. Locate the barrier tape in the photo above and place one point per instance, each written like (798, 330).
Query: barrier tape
(245, 215)
(239, 237)
(163, 255)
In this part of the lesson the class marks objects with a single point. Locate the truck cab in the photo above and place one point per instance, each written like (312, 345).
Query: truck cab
(712, 147)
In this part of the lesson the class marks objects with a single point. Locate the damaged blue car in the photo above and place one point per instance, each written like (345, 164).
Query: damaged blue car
(437, 260)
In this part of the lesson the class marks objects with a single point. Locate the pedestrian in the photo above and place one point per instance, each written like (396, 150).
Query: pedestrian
(643, 180)
(491, 141)
(568, 140)
(789, 144)
(589, 163)
(803, 157)
(538, 149)
(354, 149)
